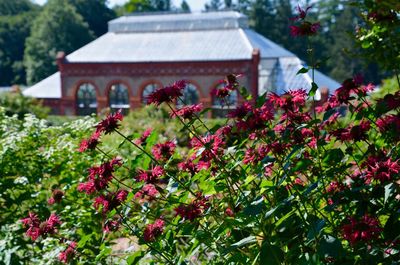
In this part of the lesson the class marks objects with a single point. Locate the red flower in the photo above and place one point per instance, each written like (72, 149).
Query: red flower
(364, 229)
(222, 92)
(91, 143)
(150, 176)
(210, 146)
(99, 176)
(56, 197)
(389, 124)
(110, 123)
(302, 13)
(167, 94)
(37, 228)
(241, 112)
(163, 151)
(194, 209)
(111, 225)
(152, 231)
(187, 112)
(305, 29)
(69, 253)
(148, 192)
(111, 200)
(31, 220)
(382, 170)
(143, 138)
(290, 101)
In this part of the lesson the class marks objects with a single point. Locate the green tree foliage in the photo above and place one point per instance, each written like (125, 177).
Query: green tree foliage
(14, 7)
(58, 28)
(133, 6)
(96, 13)
(185, 6)
(213, 5)
(15, 22)
(14, 103)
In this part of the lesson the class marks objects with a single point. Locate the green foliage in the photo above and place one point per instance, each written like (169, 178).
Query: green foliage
(35, 159)
(133, 6)
(15, 7)
(95, 13)
(14, 103)
(15, 22)
(58, 28)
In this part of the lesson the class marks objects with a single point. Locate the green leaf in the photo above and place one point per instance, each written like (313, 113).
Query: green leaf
(313, 90)
(244, 93)
(333, 156)
(271, 255)
(255, 208)
(388, 191)
(302, 71)
(244, 241)
(330, 246)
(134, 258)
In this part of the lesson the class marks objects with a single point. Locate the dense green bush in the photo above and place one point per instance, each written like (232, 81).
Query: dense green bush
(14, 103)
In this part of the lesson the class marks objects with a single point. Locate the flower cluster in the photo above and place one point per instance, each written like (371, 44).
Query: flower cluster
(110, 123)
(56, 197)
(163, 151)
(364, 229)
(187, 112)
(110, 201)
(305, 28)
(194, 209)
(152, 231)
(167, 94)
(68, 254)
(36, 228)
(99, 176)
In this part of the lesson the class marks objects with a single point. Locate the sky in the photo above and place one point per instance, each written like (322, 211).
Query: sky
(195, 5)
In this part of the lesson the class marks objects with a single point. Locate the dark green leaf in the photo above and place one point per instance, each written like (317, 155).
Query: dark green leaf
(271, 255)
(302, 71)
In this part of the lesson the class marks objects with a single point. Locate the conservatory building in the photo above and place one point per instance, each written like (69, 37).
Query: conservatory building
(141, 53)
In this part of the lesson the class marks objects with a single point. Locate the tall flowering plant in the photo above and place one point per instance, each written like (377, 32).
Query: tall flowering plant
(283, 181)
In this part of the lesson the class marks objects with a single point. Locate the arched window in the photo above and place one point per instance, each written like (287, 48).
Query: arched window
(190, 96)
(119, 97)
(221, 106)
(86, 99)
(148, 89)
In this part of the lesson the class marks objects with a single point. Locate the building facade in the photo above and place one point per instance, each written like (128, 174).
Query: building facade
(144, 52)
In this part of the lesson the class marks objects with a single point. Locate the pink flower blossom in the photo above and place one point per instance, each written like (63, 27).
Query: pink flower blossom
(163, 151)
(194, 209)
(56, 197)
(383, 170)
(110, 123)
(187, 112)
(364, 229)
(143, 138)
(150, 176)
(99, 176)
(37, 228)
(67, 255)
(110, 201)
(91, 143)
(167, 94)
(148, 193)
(152, 231)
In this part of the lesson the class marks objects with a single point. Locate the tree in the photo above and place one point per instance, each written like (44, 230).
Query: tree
(58, 28)
(15, 22)
(213, 5)
(96, 13)
(133, 6)
(185, 6)
(15, 7)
